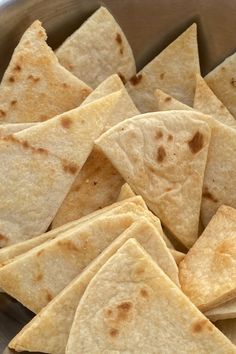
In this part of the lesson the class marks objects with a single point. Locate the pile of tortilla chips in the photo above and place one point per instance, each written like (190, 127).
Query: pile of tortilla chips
(118, 195)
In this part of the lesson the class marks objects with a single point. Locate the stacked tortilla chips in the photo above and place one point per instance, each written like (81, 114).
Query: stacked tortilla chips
(118, 202)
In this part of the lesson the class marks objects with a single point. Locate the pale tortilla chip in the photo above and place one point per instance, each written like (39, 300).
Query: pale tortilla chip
(172, 71)
(208, 273)
(32, 278)
(220, 174)
(35, 87)
(98, 183)
(166, 102)
(222, 312)
(7, 254)
(7, 129)
(56, 318)
(47, 158)
(206, 101)
(228, 328)
(125, 192)
(222, 81)
(97, 50)
(178, 256)
(131, 306)
(163, 156)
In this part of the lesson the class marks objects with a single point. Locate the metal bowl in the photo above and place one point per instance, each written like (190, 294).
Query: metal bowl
(150, 25)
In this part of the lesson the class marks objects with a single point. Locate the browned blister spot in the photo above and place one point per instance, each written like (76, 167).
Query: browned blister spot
(25, 144)
(158, 134)
(2, 113)
(70, 168)
(39, 253)
(33, 78)
(65, 85)
(85, 92)
(139, 271)
(144, 293)
(13, 102)
(3, 237)
(39, 277)
(162, 75)
(161, 154)
(196, 143)
(170, 137)
(202, 326)
(167, 99)
(113, 332)
(17, 67)
(123, 79)
(135, 80)
(49, 296)
(118, 38)
(208, 195)
(43, 117)
(68, 245)
(40, 34)
(70, 66)
(168, 189)
(223, 68)
(121, 50)
(42, 151)
(11, 79)
(66, 122)
(233, 82)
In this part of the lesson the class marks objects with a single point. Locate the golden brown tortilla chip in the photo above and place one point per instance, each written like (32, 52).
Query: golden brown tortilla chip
(35, 87)
(97, 50)
(131, 306)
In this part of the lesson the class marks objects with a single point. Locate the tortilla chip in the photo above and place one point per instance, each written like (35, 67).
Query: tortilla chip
(228, 328)
(205, 101)
(163, 156)
(7, 254)
(7, 129)
(130, 303)
(97, 50)
(224, 311)
(166, 102)
(207, 273)
(35, 86)
(98, 183)
(125, 192)
(222, 81)
(178, 256)
(172, 71)
(47, 158)
(56, 318)
(32, 278)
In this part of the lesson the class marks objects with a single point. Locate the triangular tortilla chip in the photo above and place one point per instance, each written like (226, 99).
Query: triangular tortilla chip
(219, 183)
(97, 50)
(228, 328)
(178, 256)
(98, 183)
(222, 81)
(166, 102)
(173, 71)
(205, 101)
(208, 273)
(163, 156)
(32, 278)
(56, 318)
(7, 254)
(224, 311)
(7, 129)
(40, 164)
(132, 306)
(35, 86)
(125, 192)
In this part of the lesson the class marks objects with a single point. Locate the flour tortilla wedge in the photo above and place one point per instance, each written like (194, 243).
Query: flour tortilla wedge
(220, 174)
(121, 306)
(98, 183)
(47, 158)
(172, 71)
(166, 102)
(228, 328)
(222, 312)
(35, 87)
(7, 129)
(222, 81)
(97, 50)
(56, 318)
(207, 273)
(125, 192)
(32, 278)
(163, 156)
(206, 101)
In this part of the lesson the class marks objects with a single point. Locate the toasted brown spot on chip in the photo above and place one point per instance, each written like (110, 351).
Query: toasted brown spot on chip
(25, 144)
(135, 80)
(125, 306)
(49, 296)
(41, 33)
(162, 75)
(43, 117)
(2, 113)
(222, 106)
(3, 237)
(17, 67)
(208, 195)
(121, 50)
(70, 168)
(139, 270)
(66, 122)
(11, 79)
(39, 277)
(196, 143)
(144, 293)
(109, 312)
(168, 189)
(85, 92)
(114, 332)
(13, 102)
(167, 99)
(95, 183)
(202, 325)
(39, 253)
(223, 68)
(41, 150)
(33, 78)
(68, 245)
(122, 78)
(118, 38)
(170, 137)
(233, 82)
(158, 134)
(161, 154)
(71, 67)
(65, 85)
